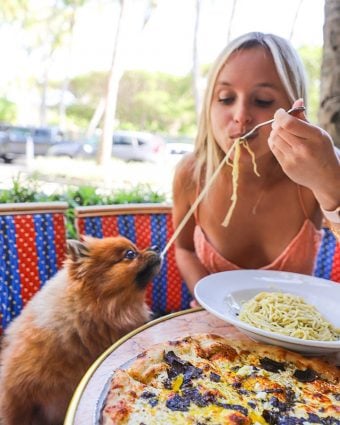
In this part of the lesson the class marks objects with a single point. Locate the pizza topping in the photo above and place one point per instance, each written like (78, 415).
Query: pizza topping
(271, 365)
(177, 383)
(199, 399)
(236, 407)
(179, 366)
(246, 370)
(214, 377)
(179, 403)
(147, 394)
(282, 407)
(308, 375)
(273, 390)
(276, 418)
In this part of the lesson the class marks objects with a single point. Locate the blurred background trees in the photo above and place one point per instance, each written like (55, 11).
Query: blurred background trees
(139, 99)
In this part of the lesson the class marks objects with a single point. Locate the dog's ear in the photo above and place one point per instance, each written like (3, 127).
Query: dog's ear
(76, 249)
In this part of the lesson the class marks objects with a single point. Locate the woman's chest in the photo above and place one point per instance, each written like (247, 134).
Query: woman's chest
(259, 229)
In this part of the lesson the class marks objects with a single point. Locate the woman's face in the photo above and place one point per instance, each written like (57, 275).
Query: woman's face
(247, 92)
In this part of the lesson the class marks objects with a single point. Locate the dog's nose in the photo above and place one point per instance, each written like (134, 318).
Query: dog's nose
(155, 248)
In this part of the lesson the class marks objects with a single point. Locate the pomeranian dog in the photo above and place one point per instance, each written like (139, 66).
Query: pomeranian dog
(96, 298)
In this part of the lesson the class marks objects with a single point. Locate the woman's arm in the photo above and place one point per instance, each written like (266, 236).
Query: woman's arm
(189, 265)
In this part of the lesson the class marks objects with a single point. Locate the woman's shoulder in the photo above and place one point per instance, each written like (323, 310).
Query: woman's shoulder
(185, 167)
(185, 172)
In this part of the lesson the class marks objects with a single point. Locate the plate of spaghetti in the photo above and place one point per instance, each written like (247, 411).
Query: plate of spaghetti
(291, 310)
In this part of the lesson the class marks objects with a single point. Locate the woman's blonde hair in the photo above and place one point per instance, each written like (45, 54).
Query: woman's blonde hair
(291, 73)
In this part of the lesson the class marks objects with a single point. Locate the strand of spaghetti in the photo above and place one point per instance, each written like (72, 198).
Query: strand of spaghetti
(234, 174)
(251, 153)
(199, 198)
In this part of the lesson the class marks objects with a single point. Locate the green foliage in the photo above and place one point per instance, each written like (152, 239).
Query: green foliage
(89, 88)
(22, 192)
(8, 110)
(28, 191)
(79, 114)
(155, 102)
(312, 59)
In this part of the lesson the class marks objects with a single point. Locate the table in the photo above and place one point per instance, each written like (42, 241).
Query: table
(188, 322)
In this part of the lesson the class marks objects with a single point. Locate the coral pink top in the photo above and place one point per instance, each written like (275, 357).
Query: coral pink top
(299, 256)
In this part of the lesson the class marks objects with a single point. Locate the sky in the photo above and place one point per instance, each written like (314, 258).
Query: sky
(165, 44)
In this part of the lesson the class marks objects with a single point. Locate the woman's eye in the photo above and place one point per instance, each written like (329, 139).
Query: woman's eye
(264, 103)
(226, 100)
(130, 255)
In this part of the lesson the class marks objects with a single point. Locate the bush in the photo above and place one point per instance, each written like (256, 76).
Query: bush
(29, 191)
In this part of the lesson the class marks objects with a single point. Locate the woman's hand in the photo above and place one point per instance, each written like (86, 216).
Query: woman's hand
(194, 303)
(306, 154)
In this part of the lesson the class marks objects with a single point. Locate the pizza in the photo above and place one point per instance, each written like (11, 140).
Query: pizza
(207, 379)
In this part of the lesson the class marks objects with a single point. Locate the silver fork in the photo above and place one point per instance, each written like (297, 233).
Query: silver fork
(290, 111)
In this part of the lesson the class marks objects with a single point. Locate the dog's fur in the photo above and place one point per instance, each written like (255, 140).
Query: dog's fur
(95, 299)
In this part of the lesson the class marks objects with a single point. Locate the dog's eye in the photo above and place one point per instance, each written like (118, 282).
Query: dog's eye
(130, 255)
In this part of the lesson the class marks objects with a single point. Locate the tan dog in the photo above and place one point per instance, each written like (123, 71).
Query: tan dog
(95, 299)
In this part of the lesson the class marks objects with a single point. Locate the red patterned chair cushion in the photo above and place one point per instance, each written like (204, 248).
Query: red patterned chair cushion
(32, 249)
(328, 259)
(145, 225)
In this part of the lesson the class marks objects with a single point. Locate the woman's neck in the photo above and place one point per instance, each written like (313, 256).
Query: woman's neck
(268, 169)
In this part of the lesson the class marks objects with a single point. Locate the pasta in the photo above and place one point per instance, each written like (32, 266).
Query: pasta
(235, 164)
(199, 198)
(287, 314)
(235, 174)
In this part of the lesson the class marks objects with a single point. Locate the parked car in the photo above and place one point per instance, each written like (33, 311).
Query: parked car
(14, 140)
(74, 149)
(178, 148)
(179, 145)
(126, 145)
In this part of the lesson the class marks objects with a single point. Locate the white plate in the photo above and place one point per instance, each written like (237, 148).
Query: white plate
(223, 293)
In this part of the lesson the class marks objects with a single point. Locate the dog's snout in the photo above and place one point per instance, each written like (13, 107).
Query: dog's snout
(155, 248)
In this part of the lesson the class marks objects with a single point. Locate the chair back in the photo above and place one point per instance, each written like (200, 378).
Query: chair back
(32, 249)
(328, 259)
(145, 225)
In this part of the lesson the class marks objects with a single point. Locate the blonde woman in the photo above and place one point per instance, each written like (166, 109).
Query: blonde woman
(278, 214)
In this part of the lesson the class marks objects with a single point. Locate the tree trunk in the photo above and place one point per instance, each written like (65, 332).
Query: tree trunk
(43, 98)
(231, 19)
(68, 64)
(195, 62)
(105, 147)
(115, 74)
(329, 113)
(292, 30)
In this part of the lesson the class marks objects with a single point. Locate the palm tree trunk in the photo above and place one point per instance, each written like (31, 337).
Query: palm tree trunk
(195, 62)
(231, 19)
(105, 147)
(329, 113)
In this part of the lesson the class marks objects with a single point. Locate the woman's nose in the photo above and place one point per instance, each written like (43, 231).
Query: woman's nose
(241, 114)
